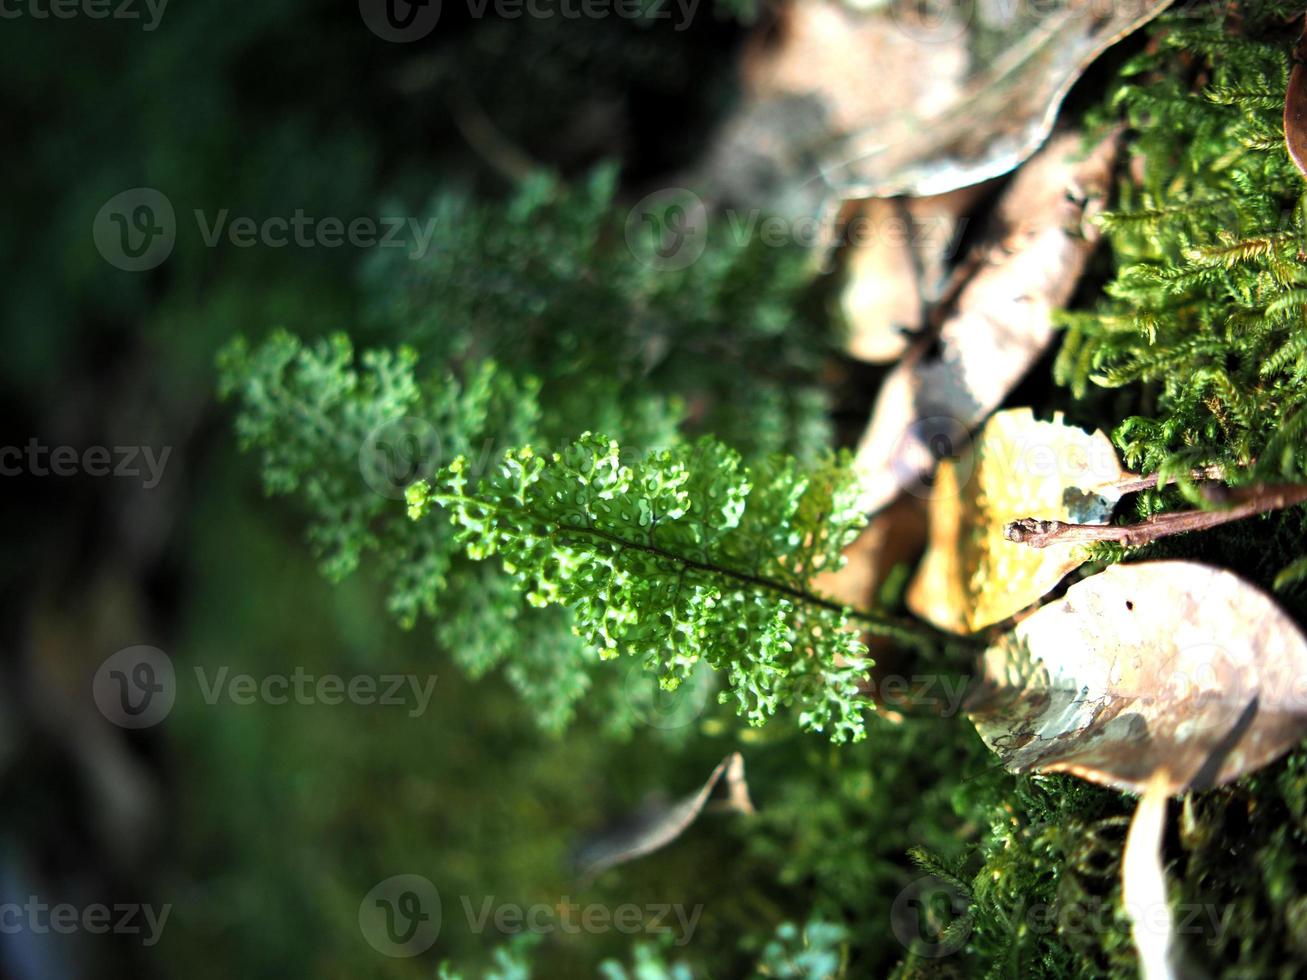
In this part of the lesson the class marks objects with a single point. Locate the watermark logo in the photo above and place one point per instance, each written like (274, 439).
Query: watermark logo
(668, 229)
(38, 459)
(136, 687)
(933, 21)
(136, 230)
(303, 230)
(931, 917)
(300, 687)
(400, 917)
(397, 453)
(660, 708)
(400, 21)
(923, 444)
(405, 21)
(571, 918)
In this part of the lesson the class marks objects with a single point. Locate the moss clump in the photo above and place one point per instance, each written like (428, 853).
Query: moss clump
(1204, 320)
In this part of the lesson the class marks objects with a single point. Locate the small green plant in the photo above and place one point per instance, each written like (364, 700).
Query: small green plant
(686, 555)
(313, 411)
(546, 323)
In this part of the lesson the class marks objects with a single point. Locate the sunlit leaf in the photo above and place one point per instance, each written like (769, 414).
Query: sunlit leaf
(972, 576)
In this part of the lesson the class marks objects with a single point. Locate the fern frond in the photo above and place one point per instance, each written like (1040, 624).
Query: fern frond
(684, 555)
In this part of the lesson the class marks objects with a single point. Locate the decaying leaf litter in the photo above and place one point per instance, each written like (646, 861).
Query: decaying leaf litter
(1153, 678)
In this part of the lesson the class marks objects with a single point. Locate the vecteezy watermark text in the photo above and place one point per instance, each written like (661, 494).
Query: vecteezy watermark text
(150, 11)
(669, 229)
(401, 917)
(306, 231)
(137, 687)
(303, 688)
(136, 230)
(405, 21)
(64, 918)
(38, 459)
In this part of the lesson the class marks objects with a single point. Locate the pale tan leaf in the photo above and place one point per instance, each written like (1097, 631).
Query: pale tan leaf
(1295, 107)
(972, 576)
(894, 536)
(1160, 665)
(1022, 59)
(881, 299)
(895, 266)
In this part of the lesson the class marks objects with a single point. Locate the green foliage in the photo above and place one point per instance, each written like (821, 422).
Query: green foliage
(814, 952)
(555, 283)
(546, 323)
(1209, 306)
(840, 821)
(649, 963)
(810, 953)
(1200, 335)
(685, 555)
(1046, 899)
(511, 961)
(344, 434)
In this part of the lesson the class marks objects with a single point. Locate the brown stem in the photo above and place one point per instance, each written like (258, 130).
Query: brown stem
(1132, 483)
(1254, 500)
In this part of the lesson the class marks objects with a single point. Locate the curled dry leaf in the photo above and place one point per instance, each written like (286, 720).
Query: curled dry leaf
(1167, 666)
(1153, 678)
(1022, 59)
(845, 100)
(657, 825)
(996, 324)
(972, 576)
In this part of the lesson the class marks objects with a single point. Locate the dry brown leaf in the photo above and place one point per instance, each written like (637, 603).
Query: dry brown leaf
(657, 825)
(881, 299)
(852, 100)
(894, 536)
(1160, 666)
(997, 326)
(1153, 678)
(1021, 62)
(972, 576)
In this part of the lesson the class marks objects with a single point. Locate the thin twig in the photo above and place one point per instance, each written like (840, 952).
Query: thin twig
(1133, 483)
(1255, 500)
